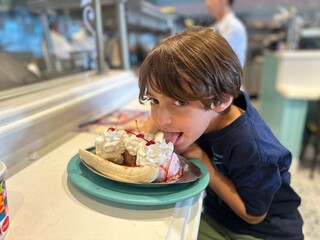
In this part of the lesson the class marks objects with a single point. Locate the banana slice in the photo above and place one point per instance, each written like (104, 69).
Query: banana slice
(142, 174)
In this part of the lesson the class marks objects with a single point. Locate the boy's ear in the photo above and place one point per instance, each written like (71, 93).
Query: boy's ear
(221, 106)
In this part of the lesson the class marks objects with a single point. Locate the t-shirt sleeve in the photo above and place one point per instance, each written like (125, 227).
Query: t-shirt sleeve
(257, 186)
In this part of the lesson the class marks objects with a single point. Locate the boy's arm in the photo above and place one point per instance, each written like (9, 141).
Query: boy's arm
(223, 186)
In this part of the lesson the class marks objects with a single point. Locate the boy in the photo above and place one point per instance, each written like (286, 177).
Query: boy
(192, 81)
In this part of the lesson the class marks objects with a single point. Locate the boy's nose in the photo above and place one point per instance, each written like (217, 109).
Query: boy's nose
(163, 117)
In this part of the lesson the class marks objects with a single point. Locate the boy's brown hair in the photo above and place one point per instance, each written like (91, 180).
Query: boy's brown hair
(196, 64)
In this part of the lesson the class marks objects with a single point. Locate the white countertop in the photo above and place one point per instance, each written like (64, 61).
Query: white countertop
(43, 204)
(31, 122)
(298, 74)
(293, 91)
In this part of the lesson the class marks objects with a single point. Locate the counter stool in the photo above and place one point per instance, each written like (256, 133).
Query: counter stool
(313, 131)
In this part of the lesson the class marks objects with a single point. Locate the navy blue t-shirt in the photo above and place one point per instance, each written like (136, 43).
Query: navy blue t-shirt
(249, 154)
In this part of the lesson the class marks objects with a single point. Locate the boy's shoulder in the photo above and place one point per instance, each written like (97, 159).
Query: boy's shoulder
(243, 101)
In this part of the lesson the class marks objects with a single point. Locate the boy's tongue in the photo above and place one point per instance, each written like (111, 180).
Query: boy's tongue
(171, 137)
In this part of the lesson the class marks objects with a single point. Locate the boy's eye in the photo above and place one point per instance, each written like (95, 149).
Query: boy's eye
(180, 103)
(153, 101)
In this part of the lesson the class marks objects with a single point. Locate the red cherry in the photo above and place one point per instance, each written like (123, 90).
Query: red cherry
(150, 143)
(140, 135)
(111, 129)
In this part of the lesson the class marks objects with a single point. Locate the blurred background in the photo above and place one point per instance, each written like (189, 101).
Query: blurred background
(25, 41)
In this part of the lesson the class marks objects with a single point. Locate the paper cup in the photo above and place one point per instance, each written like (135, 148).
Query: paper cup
(4, 217)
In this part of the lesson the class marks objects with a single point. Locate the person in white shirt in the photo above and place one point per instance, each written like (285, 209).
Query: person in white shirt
(61, 47)
(229, 26)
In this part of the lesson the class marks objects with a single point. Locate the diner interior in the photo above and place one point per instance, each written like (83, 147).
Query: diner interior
(52, 104)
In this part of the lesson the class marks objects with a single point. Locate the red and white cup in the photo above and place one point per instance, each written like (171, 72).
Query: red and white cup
(4, 216)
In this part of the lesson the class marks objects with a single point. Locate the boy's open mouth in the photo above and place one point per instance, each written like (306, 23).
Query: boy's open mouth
(172, 137)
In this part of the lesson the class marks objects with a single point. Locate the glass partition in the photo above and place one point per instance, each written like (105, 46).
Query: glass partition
(39, 46)
(46, 40)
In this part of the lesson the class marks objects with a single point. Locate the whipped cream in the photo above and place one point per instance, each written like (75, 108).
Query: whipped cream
(154, 154)
(111, 144)
(133, 144)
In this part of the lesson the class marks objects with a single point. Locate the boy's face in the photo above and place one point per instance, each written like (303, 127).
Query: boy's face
(181, 122)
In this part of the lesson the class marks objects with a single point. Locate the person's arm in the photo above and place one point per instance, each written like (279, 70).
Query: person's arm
(223, 186)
